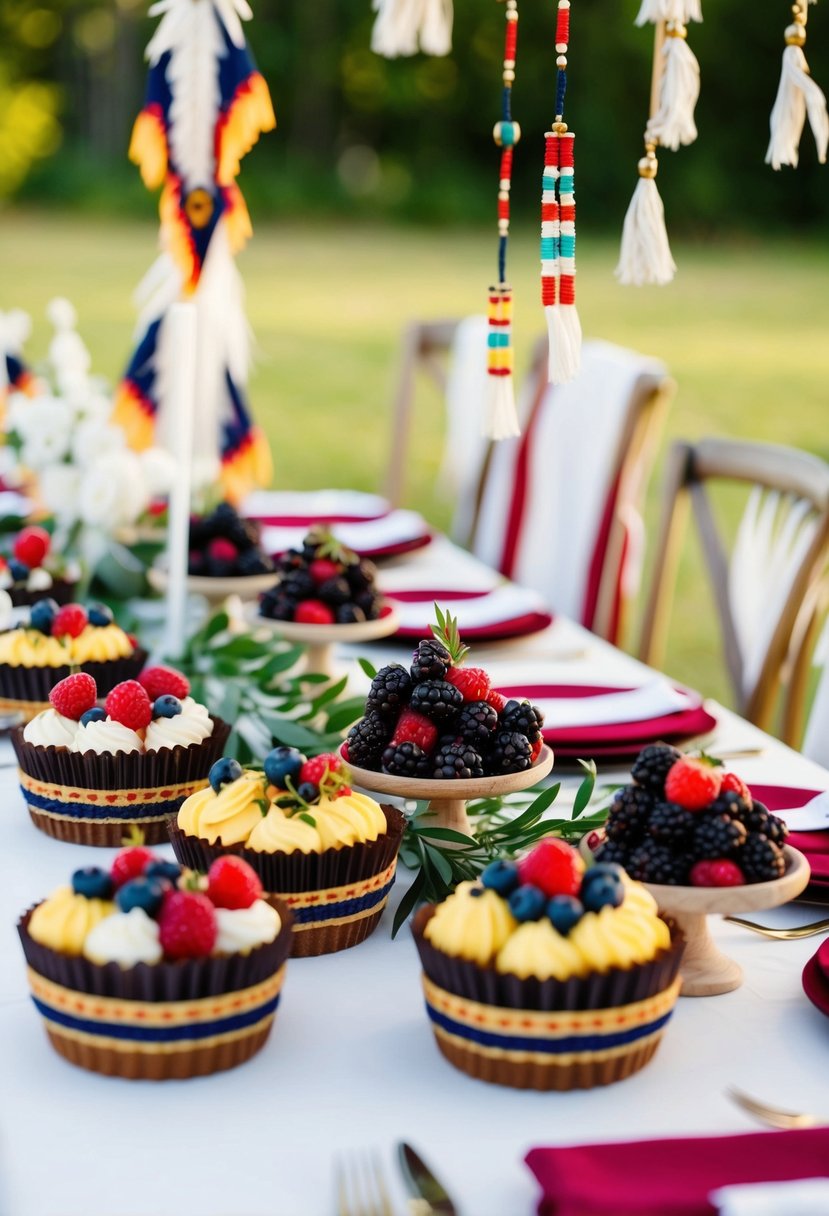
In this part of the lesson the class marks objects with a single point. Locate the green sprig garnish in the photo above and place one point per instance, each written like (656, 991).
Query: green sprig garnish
(446, 632)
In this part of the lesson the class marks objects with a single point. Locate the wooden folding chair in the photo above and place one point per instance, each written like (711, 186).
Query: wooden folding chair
(766, 590)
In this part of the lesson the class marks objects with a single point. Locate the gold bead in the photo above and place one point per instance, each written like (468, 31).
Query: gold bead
(648, 166)
(675, 29)
(560, 128)
(796, 35)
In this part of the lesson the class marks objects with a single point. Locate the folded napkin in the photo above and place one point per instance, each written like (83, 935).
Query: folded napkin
(651, 700)
(814, 844)
(670, 1177)
(394, 532)
(506, 604)
(303, 508)
(808, 1197)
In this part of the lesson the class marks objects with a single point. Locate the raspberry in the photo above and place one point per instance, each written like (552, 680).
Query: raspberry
(187, 925)
(732, 783)
(554, 867)
(221, 550)
(496, 700)
(313, 612)
(535, 751)
(232, 883)
(473, 682)
(315, 769)
(130, 863)
(163, 682)
(73, 696)
(413, 727)
(322, 569)
(31, 546)
(70, 621)
(692, 783)
(129, 704)
(716, 873)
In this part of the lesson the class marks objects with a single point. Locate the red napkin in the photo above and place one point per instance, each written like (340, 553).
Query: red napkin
(670, 1177)
(814, 845)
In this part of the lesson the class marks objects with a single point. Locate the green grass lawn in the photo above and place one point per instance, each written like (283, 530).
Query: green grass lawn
(744, 330)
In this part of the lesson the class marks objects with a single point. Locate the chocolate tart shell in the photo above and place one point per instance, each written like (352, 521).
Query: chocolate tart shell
(62, 592)
(27, 688)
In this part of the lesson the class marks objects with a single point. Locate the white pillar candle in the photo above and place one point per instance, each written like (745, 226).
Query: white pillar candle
(181, 344)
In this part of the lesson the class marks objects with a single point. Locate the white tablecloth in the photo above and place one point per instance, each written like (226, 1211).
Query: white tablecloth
(352, 1063)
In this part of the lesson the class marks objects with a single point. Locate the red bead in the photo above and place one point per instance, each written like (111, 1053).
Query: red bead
(563, 26)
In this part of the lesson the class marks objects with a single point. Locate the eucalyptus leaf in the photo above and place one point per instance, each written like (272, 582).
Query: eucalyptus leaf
(408, 903)
(585, 790)
(369, 668)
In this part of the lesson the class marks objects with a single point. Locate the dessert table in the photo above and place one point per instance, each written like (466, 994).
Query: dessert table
(352, 1063)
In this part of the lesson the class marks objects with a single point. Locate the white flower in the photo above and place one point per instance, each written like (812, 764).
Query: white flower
(113, 491)
(159, 470)
(33, 416)
(17, 409)
(59, 485)
(93, 405)
(91, 440)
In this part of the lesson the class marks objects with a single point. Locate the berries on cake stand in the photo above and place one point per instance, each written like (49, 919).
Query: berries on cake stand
(225, 557)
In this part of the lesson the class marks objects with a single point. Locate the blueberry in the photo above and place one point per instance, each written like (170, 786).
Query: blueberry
(607, 889)
(223, 772)
(92, 882)
(501, 876)
(602, 869)
(281, 763)
(309, 792)
(169, 870)
(527, 903)
(565, 911)
(42, 614)
(18, 570)
(145, 893)
(95, 714)
(99, 615)
(167, 706)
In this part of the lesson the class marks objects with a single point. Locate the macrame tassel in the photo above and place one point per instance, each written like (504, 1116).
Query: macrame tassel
(673, 123)
(502, 417)
(563, 324)
(669, 10)
(797, 96)
(645, 256)
(403, 27)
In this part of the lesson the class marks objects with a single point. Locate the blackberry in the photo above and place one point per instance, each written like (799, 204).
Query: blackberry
(509, 752)
(367, 741)
(389, 690)
(349, 614)
(291, 559)
(671, 824)
(732, 804)
(717, 836)
(253, 562)
(196, 562)
(226, 522)
(761, 860)
(276, 605)
(654, 862)
(406, 760)
(457, 760)
(629, 813)
(438, 700)
(299, 585)
(759, 820)
(651, 766)
(361, 575)
(613, 851)
(334, 591)
(476, 722)
(370, 604)
(430, 661)
(524, 718)
(776, 830)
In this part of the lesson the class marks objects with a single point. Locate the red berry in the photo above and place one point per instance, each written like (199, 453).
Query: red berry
(164, 681)
(314, 770)
(473, 682)
(130, 863)
(31, 546)
(496, 700)
(313, 612)
(187, 926)
(553, 866)
(692, 783)
(129, 704)
(74, 695)
(232, 883)
(322, 568)
(222, 550)
(413, 727)
(731, 782)
(70, 621)
(536, 749)
(717, 873)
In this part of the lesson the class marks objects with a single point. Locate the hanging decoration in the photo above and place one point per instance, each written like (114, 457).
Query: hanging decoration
(558, 226)
(15, 377)
(403, 27)
(797, 97)
(206, 107)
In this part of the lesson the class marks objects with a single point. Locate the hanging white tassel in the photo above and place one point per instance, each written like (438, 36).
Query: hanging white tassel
(645, 256)
(564, 333)
(673, 123)
(404, 26)
(502, 416)
(797, 96)
(669, 10)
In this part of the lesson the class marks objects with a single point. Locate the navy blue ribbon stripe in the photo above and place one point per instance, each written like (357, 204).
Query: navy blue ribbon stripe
(592, 1042)
(347, 907)
(159, 1034)
(86, 810)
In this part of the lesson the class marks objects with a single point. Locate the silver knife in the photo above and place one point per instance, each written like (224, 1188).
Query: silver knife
(423, 1183)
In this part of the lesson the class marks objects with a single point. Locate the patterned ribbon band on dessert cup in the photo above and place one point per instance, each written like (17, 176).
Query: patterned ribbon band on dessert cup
(560, 1050)
(325, 921)
(157, 1040)
(103, 817)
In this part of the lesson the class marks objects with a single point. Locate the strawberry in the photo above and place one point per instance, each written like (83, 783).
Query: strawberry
(314, 770)
(70, 621)
(496, 700)
(692, 783)
(130, 863)
(716, 873)
(413, 727)
(163, 682)
(473, 682)
(553, 866)
(187, 925)
(73, 696)
(129, 704)
(322, 568)
(31, 546)
(731, 782)
(232, 883)
(313, 612)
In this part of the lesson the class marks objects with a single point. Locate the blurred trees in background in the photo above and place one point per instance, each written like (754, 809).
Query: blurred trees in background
(412, 138)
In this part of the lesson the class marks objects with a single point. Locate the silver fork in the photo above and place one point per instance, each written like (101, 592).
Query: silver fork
(792, 934)
(361, 1186)
(772, 1116)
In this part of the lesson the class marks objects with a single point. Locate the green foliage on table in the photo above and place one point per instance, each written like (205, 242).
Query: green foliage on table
(442, 857)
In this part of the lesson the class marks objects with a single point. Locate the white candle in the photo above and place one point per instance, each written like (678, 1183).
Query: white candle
(181, 404)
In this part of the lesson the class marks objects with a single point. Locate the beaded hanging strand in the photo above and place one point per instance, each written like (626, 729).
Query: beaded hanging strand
(558, 226)
(502, 418)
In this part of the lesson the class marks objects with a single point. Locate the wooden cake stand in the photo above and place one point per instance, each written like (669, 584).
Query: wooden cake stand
(216, 590)
(321, 639)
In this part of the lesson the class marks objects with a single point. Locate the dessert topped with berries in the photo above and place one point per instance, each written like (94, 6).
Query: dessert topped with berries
(70, 635)
(441, 719)
(684, 820)
(32, 568)
(322, 583)
(224, 545)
